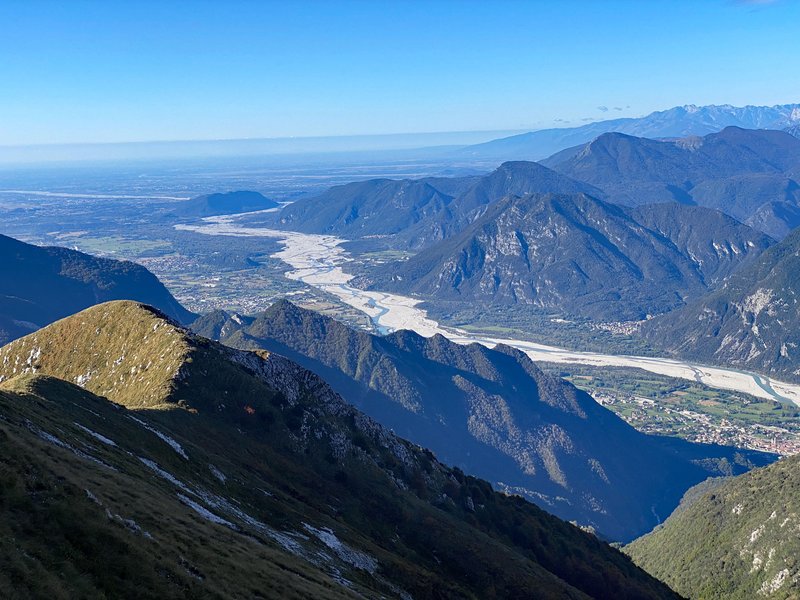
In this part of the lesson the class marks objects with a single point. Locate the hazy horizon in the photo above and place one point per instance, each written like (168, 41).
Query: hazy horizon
(424, 143)
(148, 71)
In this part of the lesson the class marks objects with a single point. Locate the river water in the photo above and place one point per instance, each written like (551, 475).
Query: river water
(317, 260)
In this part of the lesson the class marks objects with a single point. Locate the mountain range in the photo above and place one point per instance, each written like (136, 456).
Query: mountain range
(750, 175)
(577, 255)
(288, 455)
(140, 460)
(750, 322)
(495, 414)
(677, 122)
(414, 213)
(731, 539)
(39, 285)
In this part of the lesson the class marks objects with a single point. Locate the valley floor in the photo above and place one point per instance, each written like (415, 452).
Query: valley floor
(317, 261)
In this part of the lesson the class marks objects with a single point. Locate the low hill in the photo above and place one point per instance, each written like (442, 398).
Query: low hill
(736, 541)
(205, 471)
(494, 414)
(577, 255)
(39, 285)
(227, 203)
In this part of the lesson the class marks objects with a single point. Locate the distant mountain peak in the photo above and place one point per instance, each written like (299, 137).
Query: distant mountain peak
(743, 172)
(608, 140)
(521, 165)
(676, 122)
(413, 213)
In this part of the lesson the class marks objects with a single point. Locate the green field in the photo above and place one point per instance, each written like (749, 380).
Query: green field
(118, 246)
(532, 324)
(670, 406)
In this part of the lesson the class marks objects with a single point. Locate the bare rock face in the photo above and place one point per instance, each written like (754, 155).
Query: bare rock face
(750, 322)
(577, 255)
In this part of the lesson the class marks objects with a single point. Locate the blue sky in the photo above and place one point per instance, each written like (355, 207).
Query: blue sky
(83, 71)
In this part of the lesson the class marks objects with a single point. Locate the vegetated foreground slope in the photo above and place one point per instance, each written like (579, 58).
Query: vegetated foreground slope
(494, 414)
(751, 322)
(750, 175)
(580, 256)
(417, 213)
(737, 541)
(39, 285)
(226, 203)
(214, 472)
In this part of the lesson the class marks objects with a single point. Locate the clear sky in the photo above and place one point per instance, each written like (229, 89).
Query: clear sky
(116, 70)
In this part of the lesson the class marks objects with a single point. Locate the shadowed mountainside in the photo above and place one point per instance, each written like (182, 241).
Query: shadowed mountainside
(39, 285)
(418, 213)
(493, 413)
(748, 174)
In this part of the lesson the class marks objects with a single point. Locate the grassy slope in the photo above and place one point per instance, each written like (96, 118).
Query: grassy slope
(59, 542)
